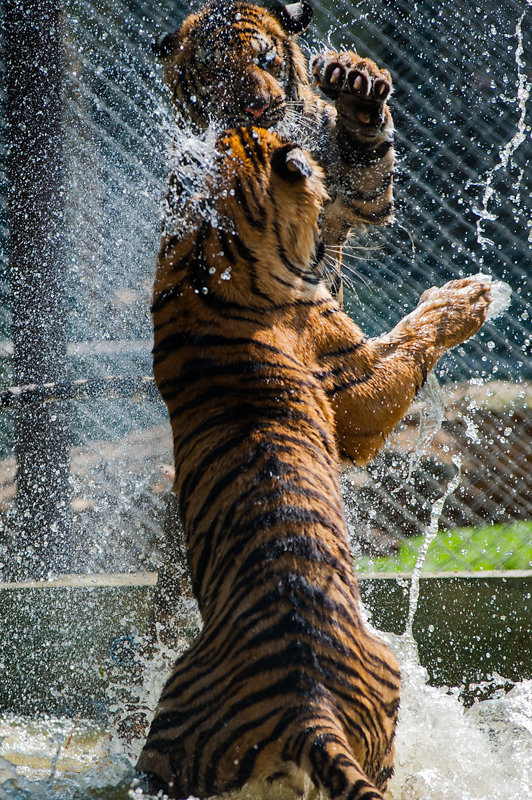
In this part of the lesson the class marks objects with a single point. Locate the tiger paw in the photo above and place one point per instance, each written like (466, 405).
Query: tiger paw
(455, 311)
(358, 87)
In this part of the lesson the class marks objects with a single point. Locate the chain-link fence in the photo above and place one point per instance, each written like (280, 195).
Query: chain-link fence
(461, 106)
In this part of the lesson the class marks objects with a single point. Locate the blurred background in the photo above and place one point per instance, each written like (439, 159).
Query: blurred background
(85, 468)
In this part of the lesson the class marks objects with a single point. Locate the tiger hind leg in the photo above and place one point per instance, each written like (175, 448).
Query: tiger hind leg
(323, 753)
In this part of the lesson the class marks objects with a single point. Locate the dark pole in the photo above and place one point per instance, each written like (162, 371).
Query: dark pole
(34, 83)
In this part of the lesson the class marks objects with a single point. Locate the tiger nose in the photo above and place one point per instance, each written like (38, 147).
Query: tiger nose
(257, 108)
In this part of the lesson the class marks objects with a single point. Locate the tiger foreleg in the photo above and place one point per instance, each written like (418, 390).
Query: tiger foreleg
(373, 382)
(359, 89)
(362, 175)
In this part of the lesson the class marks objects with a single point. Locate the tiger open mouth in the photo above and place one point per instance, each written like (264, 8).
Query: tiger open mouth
(265, 117)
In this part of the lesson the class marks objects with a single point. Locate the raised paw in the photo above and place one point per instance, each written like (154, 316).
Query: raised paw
(456, 310)
(357, 85)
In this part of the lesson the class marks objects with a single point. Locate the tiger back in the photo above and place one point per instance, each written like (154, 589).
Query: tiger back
(265, 378)
(283, 686)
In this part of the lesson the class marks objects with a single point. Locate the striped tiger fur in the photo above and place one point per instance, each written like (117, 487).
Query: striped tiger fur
(238, 63)
(265, 378)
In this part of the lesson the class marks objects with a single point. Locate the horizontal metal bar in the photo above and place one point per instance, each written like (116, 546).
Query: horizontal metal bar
(104, 346)
(111, 386)
(149, 578)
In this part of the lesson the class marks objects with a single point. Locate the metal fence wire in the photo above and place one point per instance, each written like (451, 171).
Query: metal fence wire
(461, 106)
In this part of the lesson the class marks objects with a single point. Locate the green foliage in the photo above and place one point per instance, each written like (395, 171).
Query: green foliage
(502, 547)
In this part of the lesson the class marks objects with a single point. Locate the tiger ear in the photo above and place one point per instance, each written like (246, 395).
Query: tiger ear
(294, 17)
(291, 163)
(165, 44)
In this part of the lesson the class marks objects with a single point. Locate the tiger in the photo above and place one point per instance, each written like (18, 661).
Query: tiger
(238, 63)
(265, 379)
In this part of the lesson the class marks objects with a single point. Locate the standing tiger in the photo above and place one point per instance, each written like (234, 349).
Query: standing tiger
(237, 63)
(265, 378)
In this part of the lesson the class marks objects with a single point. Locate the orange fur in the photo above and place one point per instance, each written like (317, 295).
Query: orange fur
(231, 60)
(264, 378)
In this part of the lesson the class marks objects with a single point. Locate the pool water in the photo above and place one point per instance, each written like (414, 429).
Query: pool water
(444, 752)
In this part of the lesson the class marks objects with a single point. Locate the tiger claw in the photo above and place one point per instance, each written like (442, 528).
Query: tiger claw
(329, 76)
(358, 83)
(381, 90)
(335, 75)
(348, 74)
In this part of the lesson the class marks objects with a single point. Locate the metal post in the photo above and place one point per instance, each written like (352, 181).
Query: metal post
(34, 82)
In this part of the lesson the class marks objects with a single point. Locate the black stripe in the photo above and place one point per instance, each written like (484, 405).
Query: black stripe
(243, 250)
(307, 276)
(284, 686)
(166, 297)
(273, 469)
(227, 247)
(249, 147)
(256, 372)
(243, 201)
(355, 156)
(211, 540)
(318, 600)
(358, 792)
(243, 654)
(169, 245)
(210, 340)
(345, 385)
(328, 312)
(348, 192)
(194, 475)
(344, 351)
(247, 761)
(301, 546)
(248, 415)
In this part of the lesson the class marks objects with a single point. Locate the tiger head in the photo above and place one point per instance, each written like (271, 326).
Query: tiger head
(251, 229)
(236, 63)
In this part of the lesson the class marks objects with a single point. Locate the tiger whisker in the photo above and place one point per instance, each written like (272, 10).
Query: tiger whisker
(352, 256)
(300, 116)
(347, 247)
(345, 267)
(333, 266)
(352, 271)
(301, 121)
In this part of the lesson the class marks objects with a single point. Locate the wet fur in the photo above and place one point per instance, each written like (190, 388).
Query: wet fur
(217, 71)
(265, 378)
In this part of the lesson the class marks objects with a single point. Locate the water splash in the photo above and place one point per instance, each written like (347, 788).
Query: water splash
(430, 421)
(443, 753)
(501, 297)
(46, 758)
(523, 93)
(430, 534)
(193, 160)
(446, 753)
